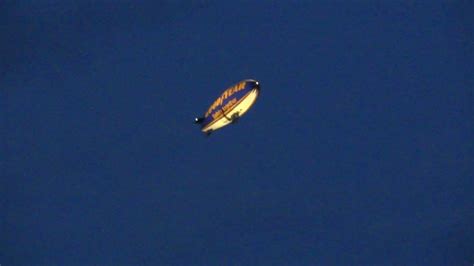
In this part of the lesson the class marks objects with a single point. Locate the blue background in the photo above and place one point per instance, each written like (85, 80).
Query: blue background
(359, 151)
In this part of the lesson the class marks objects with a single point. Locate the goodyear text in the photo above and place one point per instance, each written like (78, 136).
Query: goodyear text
(226, 94)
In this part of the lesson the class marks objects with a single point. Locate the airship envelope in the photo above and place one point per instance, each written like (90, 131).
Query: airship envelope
(229, 106)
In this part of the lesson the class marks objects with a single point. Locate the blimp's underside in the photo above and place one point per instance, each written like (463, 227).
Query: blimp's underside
(233, 112)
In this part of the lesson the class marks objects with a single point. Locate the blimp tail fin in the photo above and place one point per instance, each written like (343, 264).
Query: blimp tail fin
(198, 120)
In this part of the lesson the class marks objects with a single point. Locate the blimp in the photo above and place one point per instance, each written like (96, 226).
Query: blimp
(232, 104)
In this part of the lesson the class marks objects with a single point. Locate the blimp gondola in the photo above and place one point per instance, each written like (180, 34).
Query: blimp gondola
(234, 102)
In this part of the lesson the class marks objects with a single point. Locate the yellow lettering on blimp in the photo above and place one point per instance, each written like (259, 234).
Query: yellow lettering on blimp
(227, 93)
(226, 107)
(229, 104)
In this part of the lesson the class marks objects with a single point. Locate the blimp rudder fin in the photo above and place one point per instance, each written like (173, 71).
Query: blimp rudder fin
(198, 120)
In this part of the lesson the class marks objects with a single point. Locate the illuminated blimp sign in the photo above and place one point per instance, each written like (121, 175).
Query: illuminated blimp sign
(230, 106)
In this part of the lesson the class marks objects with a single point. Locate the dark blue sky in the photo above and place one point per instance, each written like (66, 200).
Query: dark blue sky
(359, 151)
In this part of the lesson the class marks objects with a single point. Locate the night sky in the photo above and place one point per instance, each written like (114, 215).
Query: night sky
(359, 150)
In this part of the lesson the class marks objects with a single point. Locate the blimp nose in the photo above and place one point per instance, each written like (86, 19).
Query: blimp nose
(256, 85)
